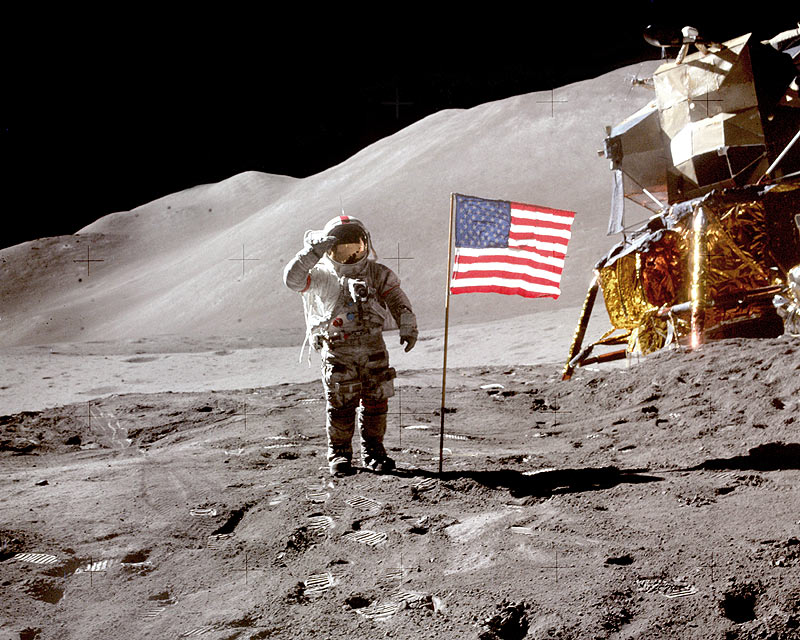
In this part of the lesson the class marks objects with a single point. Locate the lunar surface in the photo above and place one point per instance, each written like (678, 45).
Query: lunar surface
(658, 500)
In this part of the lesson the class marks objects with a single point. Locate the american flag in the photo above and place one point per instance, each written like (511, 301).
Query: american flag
(509, 247)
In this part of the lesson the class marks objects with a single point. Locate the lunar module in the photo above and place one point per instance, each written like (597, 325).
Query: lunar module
(715, 159)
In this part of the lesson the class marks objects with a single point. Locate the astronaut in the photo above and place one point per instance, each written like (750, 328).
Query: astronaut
(347, 298)
(788, 308)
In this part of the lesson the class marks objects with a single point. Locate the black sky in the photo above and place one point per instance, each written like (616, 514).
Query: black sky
(96, 121)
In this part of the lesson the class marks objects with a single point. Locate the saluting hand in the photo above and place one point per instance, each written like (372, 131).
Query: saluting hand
(320, 245)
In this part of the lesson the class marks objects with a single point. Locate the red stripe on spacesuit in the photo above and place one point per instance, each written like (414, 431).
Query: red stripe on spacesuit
(308, 284)
(386, 293)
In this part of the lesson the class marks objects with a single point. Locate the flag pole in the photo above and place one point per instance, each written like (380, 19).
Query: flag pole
(446, 325)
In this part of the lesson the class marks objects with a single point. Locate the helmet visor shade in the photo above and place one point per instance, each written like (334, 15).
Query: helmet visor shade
(348, 252)
(352, 246)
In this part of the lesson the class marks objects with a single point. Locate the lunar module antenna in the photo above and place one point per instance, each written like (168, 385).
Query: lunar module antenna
(664, 37)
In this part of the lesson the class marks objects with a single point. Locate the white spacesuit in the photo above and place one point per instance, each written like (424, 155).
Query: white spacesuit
(789, 308)
(347, 297)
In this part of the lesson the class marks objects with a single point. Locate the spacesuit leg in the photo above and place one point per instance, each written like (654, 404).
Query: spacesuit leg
(341, 395)
(375, 403)
(372, 427)
(339, 427)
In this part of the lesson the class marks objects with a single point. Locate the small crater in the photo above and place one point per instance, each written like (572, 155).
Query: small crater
(67, 568)
(337, 561)
(136, 556)
(620, 560)
(43, 589)
(357, 601)
(738, 603)
(231, 523)
(108, 536)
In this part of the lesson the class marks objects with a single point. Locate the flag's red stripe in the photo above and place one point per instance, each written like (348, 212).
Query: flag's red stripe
(509, 291)
(533, 207)
(525, 262)
(537, 236)
(505, 275)
(542, 252)
(545, 224)
(548, 253)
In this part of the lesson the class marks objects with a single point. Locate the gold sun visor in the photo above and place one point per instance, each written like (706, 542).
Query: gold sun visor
(353, 244)
(348, 252)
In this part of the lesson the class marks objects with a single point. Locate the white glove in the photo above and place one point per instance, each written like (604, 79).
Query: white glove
(320, 245)
(408, 330)
(409, 340)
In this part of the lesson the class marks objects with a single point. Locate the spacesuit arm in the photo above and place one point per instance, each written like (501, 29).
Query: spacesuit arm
(400, 307)
(297, 274)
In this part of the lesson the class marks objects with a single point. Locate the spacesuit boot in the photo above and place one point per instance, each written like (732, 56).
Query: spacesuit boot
(339, 427)
(372, 426)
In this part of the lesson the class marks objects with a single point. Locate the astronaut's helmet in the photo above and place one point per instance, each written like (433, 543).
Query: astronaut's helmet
(353, 246)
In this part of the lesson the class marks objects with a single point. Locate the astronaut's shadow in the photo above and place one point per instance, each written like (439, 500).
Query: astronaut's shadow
(544, 483)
